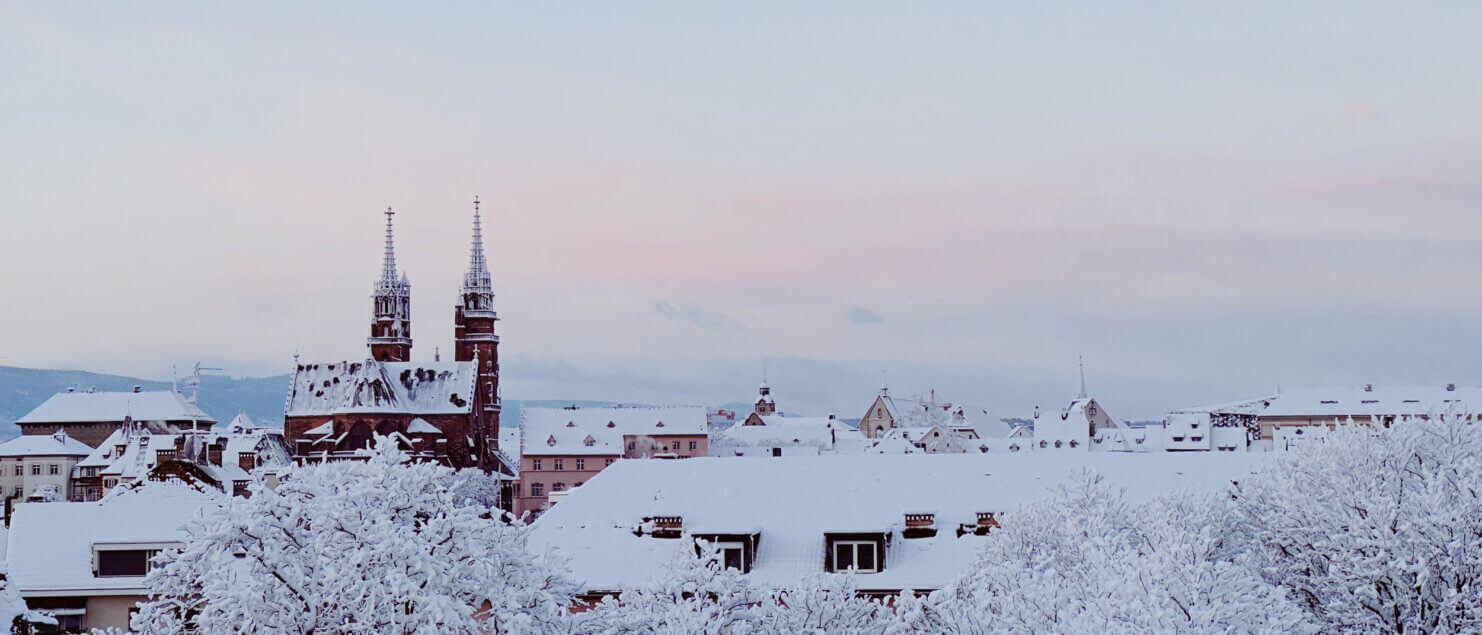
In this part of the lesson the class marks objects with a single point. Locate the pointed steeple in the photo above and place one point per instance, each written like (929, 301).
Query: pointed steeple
(388, 267)
(478, 288)
(884, 385)
(1080, 392)
(391, 307)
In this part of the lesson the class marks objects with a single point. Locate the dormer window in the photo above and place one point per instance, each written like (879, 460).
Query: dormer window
(860, 552)
(589, 441)
(659, 424)
(551, 441)
(735, 551)
(571, 424)
(611, 424)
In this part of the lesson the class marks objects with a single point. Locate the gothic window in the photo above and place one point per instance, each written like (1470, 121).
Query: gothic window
(359, 437)
(385, 428)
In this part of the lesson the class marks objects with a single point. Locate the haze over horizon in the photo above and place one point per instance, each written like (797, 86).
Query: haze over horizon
(1202, 200)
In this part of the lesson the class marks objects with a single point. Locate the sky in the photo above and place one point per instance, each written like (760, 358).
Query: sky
(1202, 199)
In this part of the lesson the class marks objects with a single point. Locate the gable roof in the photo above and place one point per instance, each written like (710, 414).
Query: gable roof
(777, 430)
(44, 445)
(564, 430)
(793, 501)
(1346, 401)
(157, 405)
(372, 386)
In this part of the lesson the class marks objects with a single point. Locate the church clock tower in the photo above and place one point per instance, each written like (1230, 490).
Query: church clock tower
(391, 307)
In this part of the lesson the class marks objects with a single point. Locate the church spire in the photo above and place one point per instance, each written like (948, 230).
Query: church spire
(388, 267)
(391, 307)
(478, 288)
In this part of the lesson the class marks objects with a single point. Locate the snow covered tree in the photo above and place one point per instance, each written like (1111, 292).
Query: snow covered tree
(12, 607)
(697, 594)
(376, 546)
(47, 494)
(1375, 530)
(1084, 560)
(822, 603)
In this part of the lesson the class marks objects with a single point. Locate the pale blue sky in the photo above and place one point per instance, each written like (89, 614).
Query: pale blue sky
(1200, 197)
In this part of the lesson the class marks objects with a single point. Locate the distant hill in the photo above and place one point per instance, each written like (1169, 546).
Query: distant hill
(22, 389)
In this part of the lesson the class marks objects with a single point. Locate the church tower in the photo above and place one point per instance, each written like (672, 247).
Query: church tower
(391, 307)
(474, 318)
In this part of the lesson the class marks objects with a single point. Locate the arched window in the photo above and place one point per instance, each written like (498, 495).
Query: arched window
(385, 428)
(359, 437)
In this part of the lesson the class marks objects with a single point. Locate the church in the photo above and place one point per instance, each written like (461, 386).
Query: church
(444, 411)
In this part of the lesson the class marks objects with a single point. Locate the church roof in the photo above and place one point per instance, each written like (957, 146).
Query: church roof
(382, 387)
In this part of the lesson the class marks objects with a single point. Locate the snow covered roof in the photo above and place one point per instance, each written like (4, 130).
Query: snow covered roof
(162, 405)
(50, 545)
(777, 430)
(1374, 401)
(44, 445)
(140, 452)
(565, 430)
(375, 386)
(796, 500)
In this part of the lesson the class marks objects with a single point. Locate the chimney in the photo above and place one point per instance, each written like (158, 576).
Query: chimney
(213, 453)
(247, 461)
(138, 388)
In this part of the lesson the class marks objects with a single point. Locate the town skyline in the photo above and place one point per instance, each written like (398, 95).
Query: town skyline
(1208, 225)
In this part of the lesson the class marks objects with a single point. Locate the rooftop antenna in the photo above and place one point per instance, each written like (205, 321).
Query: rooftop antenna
(194, 384)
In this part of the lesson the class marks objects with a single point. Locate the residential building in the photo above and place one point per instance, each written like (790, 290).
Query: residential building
(90, 416)
(564, 447)
(1379, 405)
(36, 465)
(899, 522)
(955, 426)
(226, 461)
(765, 432)
(85, 562)
(447, 411)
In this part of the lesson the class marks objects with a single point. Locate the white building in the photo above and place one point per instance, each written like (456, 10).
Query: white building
(31, 465)
(85, 562)
(775, 435)
(904, 521)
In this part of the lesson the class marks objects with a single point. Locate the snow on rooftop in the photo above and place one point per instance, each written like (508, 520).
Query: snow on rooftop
(69, 407)
(778, 430)
(796, 500)
(373, 386)
(1357, 401)
(566, 430)
(50, 545)
(44, 445)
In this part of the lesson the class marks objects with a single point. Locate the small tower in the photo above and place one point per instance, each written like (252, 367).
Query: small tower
(391, 307)
(474, 318)
(765, 407)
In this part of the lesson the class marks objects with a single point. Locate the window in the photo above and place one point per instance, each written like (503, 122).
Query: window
(125, 562)
(558, 487)
(581, 464)
(35, 469)
(535, 465)
(694, 446)
(630, 445)
(19, 471)
(537, 489)
(609, 462)
(732, 555)
(52, 469)
(855, 554)
(559, 465)
(676, 446)
(517, 490)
